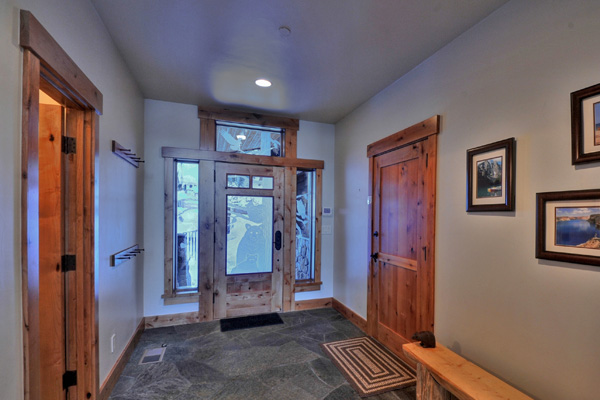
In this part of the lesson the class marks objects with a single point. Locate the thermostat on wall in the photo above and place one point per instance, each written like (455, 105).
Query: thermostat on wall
(327, 211)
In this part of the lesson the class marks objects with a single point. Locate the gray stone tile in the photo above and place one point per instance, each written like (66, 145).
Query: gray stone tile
(158, 381)
(254, 359)
(344, 392)
(242, 389)
(327, 372)
(275, 362)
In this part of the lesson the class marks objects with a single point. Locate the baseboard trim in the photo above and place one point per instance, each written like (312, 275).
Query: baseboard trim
(117, 369)
(159, 321)
(350, 315)
(312, 304)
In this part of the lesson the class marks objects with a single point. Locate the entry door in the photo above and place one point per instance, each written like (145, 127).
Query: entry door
(248, 240)
(402, 244)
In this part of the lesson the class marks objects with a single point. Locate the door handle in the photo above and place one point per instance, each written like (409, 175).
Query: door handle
(278, 240)
(375, 256)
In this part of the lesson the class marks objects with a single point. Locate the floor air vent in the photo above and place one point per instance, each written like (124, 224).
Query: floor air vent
(153, 355)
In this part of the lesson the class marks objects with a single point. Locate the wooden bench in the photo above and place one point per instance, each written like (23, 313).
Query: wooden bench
(444, 375)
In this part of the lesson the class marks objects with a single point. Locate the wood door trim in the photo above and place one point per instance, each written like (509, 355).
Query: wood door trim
(238, 158)
(41, 52)
(36, 38)
(224, 114)
(401, 138)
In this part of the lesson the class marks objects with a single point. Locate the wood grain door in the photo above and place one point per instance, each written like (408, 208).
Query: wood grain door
(51, 278)
(248, 240)
(402, 244)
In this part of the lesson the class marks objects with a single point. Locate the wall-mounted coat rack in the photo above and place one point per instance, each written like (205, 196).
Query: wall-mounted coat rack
(124, 255)
(126, 154)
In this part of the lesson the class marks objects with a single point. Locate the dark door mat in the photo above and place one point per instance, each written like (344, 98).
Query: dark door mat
(251, 321)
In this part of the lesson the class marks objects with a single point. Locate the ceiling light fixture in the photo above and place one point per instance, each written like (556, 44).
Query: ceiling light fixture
(263, 83)
(240, 136)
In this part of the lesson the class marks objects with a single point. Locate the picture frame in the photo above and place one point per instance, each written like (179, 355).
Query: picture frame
(490, 177)
(585, 125)
(568, 226)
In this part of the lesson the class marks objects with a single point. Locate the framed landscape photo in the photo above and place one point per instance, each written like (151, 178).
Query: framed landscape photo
(585, 125)
(490, 177)
(568, 226)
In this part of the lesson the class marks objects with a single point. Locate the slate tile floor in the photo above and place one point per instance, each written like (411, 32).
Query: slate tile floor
(273, 362)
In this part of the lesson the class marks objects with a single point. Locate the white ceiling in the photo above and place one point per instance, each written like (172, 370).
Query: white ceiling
(339, 54)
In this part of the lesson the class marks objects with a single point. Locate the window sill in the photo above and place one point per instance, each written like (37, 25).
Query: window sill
(181, 298)
(307, 286)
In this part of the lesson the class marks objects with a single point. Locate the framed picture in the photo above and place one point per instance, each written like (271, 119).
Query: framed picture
(568, 226)
(585, 125)
(490, 177)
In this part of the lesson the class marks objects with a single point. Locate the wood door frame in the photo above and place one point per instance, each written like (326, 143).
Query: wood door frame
(425, 132)
(47, 66)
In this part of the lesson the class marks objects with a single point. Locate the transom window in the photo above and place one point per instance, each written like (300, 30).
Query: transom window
(249, 139)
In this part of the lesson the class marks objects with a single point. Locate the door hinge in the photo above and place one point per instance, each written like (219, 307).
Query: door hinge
(425, 252)
(426, 160)
(69, 262)
(69, 145)
(69, 379)
(214, 294)
(214, 175)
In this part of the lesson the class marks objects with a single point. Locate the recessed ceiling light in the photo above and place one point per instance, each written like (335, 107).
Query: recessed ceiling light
(263, 83)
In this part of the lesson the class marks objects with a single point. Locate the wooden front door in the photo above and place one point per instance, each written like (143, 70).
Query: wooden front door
(403, 217)
(248, 240)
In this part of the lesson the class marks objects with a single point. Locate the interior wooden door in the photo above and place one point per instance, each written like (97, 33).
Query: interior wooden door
(402, 243)
(248, 240)
(52, 284)
(61, 212)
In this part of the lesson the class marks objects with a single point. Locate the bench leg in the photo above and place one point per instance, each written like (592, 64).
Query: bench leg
(428, 388)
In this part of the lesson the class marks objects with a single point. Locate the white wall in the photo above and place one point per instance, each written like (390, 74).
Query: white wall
(532, 322)
(317, 141)
(173, 125)
(78, 29)
(177, 125)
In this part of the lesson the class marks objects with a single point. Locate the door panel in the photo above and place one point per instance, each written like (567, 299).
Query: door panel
(403, 210)
(248, 215)
(52, 286)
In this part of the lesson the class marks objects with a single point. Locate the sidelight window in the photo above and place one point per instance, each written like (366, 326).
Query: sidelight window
(186, 227)
(305, 225)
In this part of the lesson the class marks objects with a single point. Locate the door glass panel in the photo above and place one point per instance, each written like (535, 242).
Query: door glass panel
(262, 182)
(249, 139)
(249, 234)
(305, 218)
(238, 181)
(186, 226)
